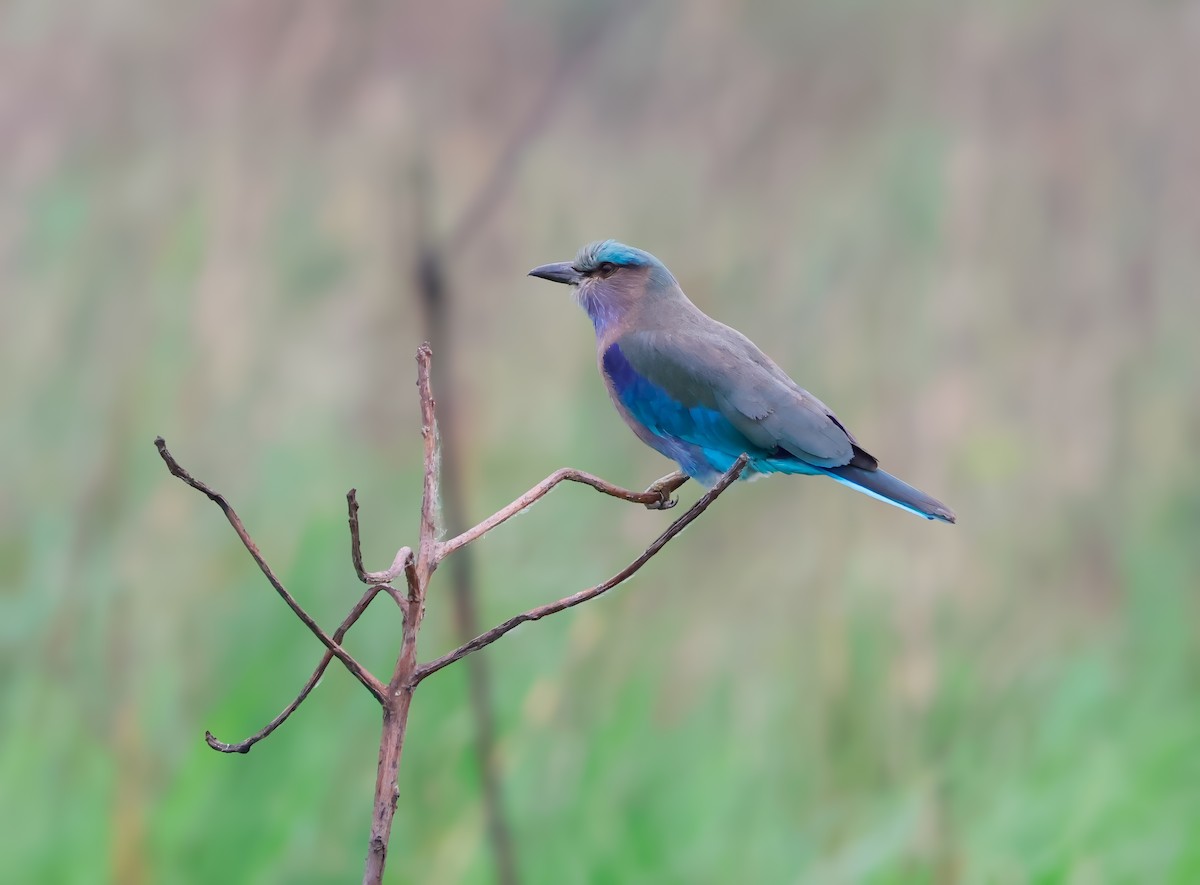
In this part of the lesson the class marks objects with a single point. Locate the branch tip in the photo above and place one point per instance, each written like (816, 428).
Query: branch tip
(221, 747)
(338, 635)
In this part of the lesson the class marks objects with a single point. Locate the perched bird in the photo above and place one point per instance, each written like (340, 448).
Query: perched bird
(701, 393)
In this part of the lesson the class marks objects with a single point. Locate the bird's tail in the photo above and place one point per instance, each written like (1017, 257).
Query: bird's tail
(882, 485)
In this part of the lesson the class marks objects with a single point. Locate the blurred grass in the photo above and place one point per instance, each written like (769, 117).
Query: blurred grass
(970, 228)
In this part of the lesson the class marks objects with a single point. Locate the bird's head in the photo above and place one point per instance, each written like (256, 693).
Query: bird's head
(609, 278)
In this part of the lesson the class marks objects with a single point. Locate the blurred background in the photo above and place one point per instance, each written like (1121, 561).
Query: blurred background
(972, 228)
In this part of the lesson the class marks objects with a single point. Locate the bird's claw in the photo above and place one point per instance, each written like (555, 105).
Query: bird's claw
(664, 502)
(662, 487)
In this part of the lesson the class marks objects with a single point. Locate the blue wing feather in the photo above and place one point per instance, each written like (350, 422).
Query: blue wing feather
(701, 439)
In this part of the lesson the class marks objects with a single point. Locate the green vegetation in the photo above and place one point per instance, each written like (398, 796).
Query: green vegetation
(971, 230)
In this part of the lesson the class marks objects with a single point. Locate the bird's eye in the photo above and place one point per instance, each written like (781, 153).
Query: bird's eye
(606, 268)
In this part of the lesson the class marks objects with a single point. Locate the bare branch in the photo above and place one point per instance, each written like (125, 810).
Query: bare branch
(427, 558)
(652, 497)
(387, 789)
(400, 688)
(486, 639)
(395, 698)
(415, 593)
(373, 685)
(338, 635)
(403, 556)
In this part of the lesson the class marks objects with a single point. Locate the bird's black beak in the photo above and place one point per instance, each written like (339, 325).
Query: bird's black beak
(559, 272)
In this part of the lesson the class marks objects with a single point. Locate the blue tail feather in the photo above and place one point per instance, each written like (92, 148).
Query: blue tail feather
(891, 490)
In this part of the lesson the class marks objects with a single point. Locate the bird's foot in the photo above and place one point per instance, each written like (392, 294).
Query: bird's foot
(663, 488)
(664, 502)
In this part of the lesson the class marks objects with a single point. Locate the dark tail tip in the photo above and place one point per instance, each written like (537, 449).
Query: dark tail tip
(944, 513)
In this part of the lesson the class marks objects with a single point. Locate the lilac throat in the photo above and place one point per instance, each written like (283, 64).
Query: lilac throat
(600, 311)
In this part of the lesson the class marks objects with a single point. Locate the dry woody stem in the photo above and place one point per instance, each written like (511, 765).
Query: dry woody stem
(416, 567)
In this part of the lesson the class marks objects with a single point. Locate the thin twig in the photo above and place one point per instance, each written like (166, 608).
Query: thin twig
(373, 685)
(338, 635)
(565, 474)
(403, 556)
(486, 639)
(427, 558)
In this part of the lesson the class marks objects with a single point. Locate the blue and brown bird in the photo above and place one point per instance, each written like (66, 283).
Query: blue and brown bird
(701, 393)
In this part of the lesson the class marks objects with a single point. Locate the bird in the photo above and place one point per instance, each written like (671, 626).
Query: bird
(701, 393)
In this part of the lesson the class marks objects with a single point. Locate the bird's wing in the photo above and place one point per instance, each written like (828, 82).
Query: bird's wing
(721, 369)
(676, 407)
